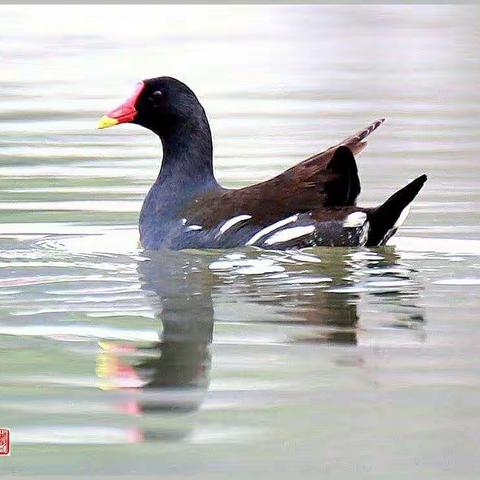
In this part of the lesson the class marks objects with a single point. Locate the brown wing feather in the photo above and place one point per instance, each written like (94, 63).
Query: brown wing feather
(301, 188)
(356, 143)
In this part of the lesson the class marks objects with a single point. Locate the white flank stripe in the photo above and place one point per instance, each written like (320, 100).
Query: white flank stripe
(271, 228)
(355, 219)
(230, 223)
(289, 234)
(194, 227)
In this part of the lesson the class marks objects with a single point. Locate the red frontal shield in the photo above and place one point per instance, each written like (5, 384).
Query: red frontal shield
(124, 113)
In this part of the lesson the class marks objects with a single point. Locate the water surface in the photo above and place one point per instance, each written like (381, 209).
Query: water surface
(324, 363)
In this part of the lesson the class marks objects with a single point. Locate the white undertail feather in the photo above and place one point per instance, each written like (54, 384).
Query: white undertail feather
(400, 220)
(355, 219)
(271, 228)
(403, 216)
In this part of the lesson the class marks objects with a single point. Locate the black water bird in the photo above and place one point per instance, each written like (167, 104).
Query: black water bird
(311, 204)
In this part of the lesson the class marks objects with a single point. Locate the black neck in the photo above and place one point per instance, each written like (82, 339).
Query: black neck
(187, 155)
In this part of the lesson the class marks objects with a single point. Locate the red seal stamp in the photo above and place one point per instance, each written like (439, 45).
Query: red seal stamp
(4, 442)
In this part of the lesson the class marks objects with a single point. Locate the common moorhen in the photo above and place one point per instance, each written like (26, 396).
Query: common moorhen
(310, 204)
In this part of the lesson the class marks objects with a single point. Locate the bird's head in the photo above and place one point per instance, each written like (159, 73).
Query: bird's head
(160, 104)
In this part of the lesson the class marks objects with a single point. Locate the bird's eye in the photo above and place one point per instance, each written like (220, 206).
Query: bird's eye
(156, 98)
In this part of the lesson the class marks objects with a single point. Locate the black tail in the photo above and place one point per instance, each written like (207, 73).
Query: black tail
(383, 218)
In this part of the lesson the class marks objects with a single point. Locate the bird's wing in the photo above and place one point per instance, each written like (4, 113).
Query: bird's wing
(332, 175)
(356, 143)
(328, 179)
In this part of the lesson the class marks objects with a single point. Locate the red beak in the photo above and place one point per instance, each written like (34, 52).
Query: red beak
(124, 113)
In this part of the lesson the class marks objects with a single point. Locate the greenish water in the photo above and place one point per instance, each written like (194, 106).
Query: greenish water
(327, 363)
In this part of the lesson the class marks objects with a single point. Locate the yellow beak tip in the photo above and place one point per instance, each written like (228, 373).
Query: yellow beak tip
(106, 122)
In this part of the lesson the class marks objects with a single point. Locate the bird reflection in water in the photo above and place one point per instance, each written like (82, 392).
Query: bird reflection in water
(377, 275)
(172, 375)
(176, 368)
(180, 292)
